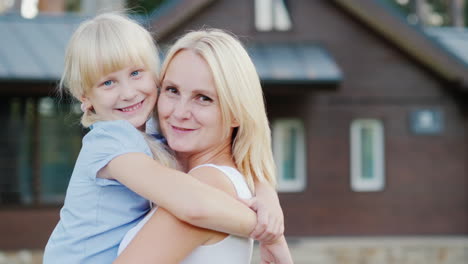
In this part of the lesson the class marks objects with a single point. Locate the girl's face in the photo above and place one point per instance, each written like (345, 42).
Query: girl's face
(188, 106)
(128, 94)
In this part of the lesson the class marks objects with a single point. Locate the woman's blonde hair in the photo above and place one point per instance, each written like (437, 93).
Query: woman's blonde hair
(104, 44)
(240, 97)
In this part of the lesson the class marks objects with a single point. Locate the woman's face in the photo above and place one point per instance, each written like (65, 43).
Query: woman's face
(188, 106)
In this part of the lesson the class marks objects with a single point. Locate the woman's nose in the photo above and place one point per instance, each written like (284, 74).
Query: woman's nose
(182, 110)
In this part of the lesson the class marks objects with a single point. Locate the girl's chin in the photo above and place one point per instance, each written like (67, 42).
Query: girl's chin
(138, 124)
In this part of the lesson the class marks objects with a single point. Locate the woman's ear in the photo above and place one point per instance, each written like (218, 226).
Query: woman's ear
(234, 122)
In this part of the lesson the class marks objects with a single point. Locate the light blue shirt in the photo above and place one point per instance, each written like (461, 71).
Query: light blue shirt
(98, 212)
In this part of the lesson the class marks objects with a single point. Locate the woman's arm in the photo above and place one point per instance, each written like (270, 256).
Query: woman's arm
(184, 196)
(277, 252)
(163, 239)
(166, 239)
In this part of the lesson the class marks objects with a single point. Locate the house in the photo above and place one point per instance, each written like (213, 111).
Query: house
(368, 113)
(388, 104)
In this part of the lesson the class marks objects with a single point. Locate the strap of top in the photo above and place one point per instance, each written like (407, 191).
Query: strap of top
(234, 176)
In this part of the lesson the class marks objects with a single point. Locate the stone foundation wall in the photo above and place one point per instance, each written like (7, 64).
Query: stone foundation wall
(396, 250)
(377, 250)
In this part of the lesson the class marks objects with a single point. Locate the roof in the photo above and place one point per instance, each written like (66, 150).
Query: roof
(434, 49)
(33, 50)
(453, 40)
(172, 14)
(294, 63)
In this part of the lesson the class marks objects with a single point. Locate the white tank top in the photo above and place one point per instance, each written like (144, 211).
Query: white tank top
(230, 250)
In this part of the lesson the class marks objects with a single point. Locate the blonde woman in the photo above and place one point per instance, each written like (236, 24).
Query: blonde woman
(212, 113)
(112, 68)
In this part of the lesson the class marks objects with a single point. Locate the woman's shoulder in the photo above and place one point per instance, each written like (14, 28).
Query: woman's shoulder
(212, 175)
(228, 178)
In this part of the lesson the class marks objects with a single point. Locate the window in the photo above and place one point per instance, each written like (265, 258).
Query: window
(289, 153)
(40, 142)
(272, 15)
(367, 155)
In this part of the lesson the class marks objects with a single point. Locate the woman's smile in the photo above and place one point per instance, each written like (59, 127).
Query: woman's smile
(181, 129)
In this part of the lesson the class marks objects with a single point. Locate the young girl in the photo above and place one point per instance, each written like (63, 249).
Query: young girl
(111, 67)
(212, 113)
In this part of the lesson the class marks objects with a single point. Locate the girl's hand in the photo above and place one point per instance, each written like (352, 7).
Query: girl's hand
(270, 221)
(277, 252)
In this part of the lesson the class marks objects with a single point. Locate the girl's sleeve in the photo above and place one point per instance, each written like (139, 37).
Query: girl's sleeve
(107, 140)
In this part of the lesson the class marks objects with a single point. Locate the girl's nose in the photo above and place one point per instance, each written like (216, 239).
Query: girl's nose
(128, 92)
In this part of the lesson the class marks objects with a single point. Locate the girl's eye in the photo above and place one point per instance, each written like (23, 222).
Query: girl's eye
(135, 73)
(108, 83)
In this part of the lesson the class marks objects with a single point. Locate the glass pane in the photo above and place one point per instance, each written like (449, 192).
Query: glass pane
(367, 153)
(289, 162)
(17, 115)
(60, 142)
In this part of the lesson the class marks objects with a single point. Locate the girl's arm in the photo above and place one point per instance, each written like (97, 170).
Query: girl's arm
(166, 239)
(184, 196)
(270, 220)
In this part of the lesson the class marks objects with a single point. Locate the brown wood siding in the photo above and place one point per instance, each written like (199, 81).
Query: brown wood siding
(426, 190)
(26, 228)
(426, 184)
(426, 176)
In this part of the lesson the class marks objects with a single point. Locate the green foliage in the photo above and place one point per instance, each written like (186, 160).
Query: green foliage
(440, 8)
(72, 5)
(144, 6)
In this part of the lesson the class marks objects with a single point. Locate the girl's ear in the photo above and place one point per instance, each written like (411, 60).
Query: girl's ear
(85, 104)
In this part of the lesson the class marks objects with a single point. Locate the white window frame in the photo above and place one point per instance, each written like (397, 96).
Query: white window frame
(272, 15)
(359, 182)
(280, 128)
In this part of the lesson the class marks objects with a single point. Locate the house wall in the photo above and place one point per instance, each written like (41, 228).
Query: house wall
(426, 175)
(426, 186)
(29, 226)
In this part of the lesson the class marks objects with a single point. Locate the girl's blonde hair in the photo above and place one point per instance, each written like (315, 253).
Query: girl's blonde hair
(240, 96)
(104, 44)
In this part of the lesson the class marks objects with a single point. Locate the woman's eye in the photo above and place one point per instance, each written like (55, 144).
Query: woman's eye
(171, 90)
(205, 99)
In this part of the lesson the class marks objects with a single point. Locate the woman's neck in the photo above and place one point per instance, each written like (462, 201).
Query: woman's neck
(221, 155)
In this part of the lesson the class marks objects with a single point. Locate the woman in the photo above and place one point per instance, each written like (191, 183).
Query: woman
(212, 114)
(112, 69)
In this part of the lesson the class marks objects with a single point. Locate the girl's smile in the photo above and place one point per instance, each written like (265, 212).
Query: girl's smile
(132, 108)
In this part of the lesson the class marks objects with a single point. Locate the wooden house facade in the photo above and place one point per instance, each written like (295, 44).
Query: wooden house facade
(368, 113)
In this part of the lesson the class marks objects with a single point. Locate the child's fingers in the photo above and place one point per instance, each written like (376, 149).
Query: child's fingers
(251, 203)
(270, 232)
(262, 225)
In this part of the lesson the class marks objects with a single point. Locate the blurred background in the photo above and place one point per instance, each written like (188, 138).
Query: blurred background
(367, 101)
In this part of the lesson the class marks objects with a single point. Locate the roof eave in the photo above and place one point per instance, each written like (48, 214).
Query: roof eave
(408, 38)
(175, 14)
